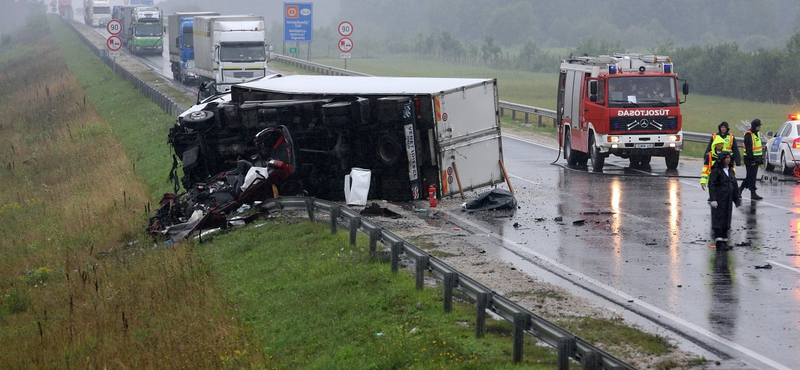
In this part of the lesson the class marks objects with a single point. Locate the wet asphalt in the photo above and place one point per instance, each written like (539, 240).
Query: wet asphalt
(640, 240)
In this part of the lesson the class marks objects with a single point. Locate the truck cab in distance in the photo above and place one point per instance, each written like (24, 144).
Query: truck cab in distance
(143, 31)
(230, 49)
(622, 104)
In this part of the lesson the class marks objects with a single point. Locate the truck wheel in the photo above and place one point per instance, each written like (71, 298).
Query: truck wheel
(569, 154)
(198, 119)
(389, 150)
(598, 159)
(672, 158)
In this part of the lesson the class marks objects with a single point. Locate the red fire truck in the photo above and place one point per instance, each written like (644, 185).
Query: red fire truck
(621, 104)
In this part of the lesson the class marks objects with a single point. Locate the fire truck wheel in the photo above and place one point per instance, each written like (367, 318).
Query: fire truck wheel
(389, 150)
(672, 159)
(569, 154)
(598, 159)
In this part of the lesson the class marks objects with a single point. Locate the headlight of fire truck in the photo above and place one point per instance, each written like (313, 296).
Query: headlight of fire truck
(614, 140)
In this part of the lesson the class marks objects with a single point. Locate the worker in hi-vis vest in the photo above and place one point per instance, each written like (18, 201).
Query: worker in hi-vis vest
(753, 157)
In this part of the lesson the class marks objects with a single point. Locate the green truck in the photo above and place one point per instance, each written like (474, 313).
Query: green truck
(143, 30)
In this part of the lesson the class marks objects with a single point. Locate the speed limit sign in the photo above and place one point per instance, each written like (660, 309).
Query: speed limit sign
(114, 27)
(345, 28)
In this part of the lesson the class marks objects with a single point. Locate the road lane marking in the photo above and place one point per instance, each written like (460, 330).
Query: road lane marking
(795, 269)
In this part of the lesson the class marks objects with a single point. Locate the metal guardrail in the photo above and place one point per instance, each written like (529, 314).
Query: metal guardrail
(568, 345)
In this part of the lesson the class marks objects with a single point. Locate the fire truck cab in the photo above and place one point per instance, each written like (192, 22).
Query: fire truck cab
(621, 104)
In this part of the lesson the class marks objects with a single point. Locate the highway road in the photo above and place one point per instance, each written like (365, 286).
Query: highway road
(640, 239)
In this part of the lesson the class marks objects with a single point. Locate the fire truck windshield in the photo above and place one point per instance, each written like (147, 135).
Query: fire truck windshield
(641, 91)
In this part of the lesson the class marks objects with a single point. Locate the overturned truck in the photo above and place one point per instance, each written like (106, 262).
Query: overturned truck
(411, 133)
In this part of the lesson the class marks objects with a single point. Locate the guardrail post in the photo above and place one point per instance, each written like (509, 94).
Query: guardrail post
(566, 348)
(526, 118)
(395, 257)
(421, 267)
(449, 285)
(374, 235)
(541, 124)
(355, 222)
(482, 301)
(335, 212)
(520, 320)
(589, 360)
(310, 209)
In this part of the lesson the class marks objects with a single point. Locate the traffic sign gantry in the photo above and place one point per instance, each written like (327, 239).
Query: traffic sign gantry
(114, 43)
(114, 27)
(345, 45)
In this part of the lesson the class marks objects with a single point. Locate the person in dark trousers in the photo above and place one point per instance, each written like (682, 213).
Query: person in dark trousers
(753, 157)
(724, 131)
(723, 194)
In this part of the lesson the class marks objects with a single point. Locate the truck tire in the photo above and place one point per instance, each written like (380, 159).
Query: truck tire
(198, 119)
(389, 150)
(598, 158)
(569, 154)
(672, 158)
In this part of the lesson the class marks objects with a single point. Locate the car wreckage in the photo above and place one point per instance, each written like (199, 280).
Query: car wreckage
(301, 135)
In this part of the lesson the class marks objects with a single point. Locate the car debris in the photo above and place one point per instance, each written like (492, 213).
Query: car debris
(224, 199)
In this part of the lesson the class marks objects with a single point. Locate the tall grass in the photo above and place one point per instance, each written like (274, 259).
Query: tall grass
(80, 287)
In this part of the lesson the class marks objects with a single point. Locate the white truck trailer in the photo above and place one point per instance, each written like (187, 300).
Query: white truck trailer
(181, 43)
(230, 49)
(411, 133)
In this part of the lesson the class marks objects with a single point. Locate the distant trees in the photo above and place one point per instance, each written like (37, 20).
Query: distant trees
(724, 70)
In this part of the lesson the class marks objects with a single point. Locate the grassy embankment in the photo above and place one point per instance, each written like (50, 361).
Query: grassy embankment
(701, 113)
(84, 156)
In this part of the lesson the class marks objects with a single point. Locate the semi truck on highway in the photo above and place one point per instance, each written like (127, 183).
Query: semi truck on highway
(413, 134)
(621, 104)
(96, 12)
(181, 46)
(230, 49)
(143, 30)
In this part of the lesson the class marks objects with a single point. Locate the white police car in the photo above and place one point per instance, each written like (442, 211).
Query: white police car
(782, 149)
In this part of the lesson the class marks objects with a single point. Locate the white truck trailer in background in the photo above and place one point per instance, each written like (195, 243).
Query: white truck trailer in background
(230, 49)
(96, 13)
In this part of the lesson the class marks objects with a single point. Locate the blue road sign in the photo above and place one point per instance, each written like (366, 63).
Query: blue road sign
(297, 22)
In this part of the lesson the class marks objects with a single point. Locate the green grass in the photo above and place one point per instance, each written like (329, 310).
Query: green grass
(319, 303)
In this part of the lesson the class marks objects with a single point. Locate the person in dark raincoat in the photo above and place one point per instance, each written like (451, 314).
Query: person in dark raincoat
(723, 193)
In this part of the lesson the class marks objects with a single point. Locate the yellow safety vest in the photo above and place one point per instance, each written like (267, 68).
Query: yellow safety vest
(757, 149)
(728, 147)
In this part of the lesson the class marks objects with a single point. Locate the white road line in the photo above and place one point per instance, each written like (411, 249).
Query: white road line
(792, 268)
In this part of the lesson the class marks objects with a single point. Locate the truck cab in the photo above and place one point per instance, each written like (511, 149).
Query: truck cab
(625, 105)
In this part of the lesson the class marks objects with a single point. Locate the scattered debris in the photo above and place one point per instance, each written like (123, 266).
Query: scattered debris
(578, 222)
(767, 266)
(494, 199)
(375, 210)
